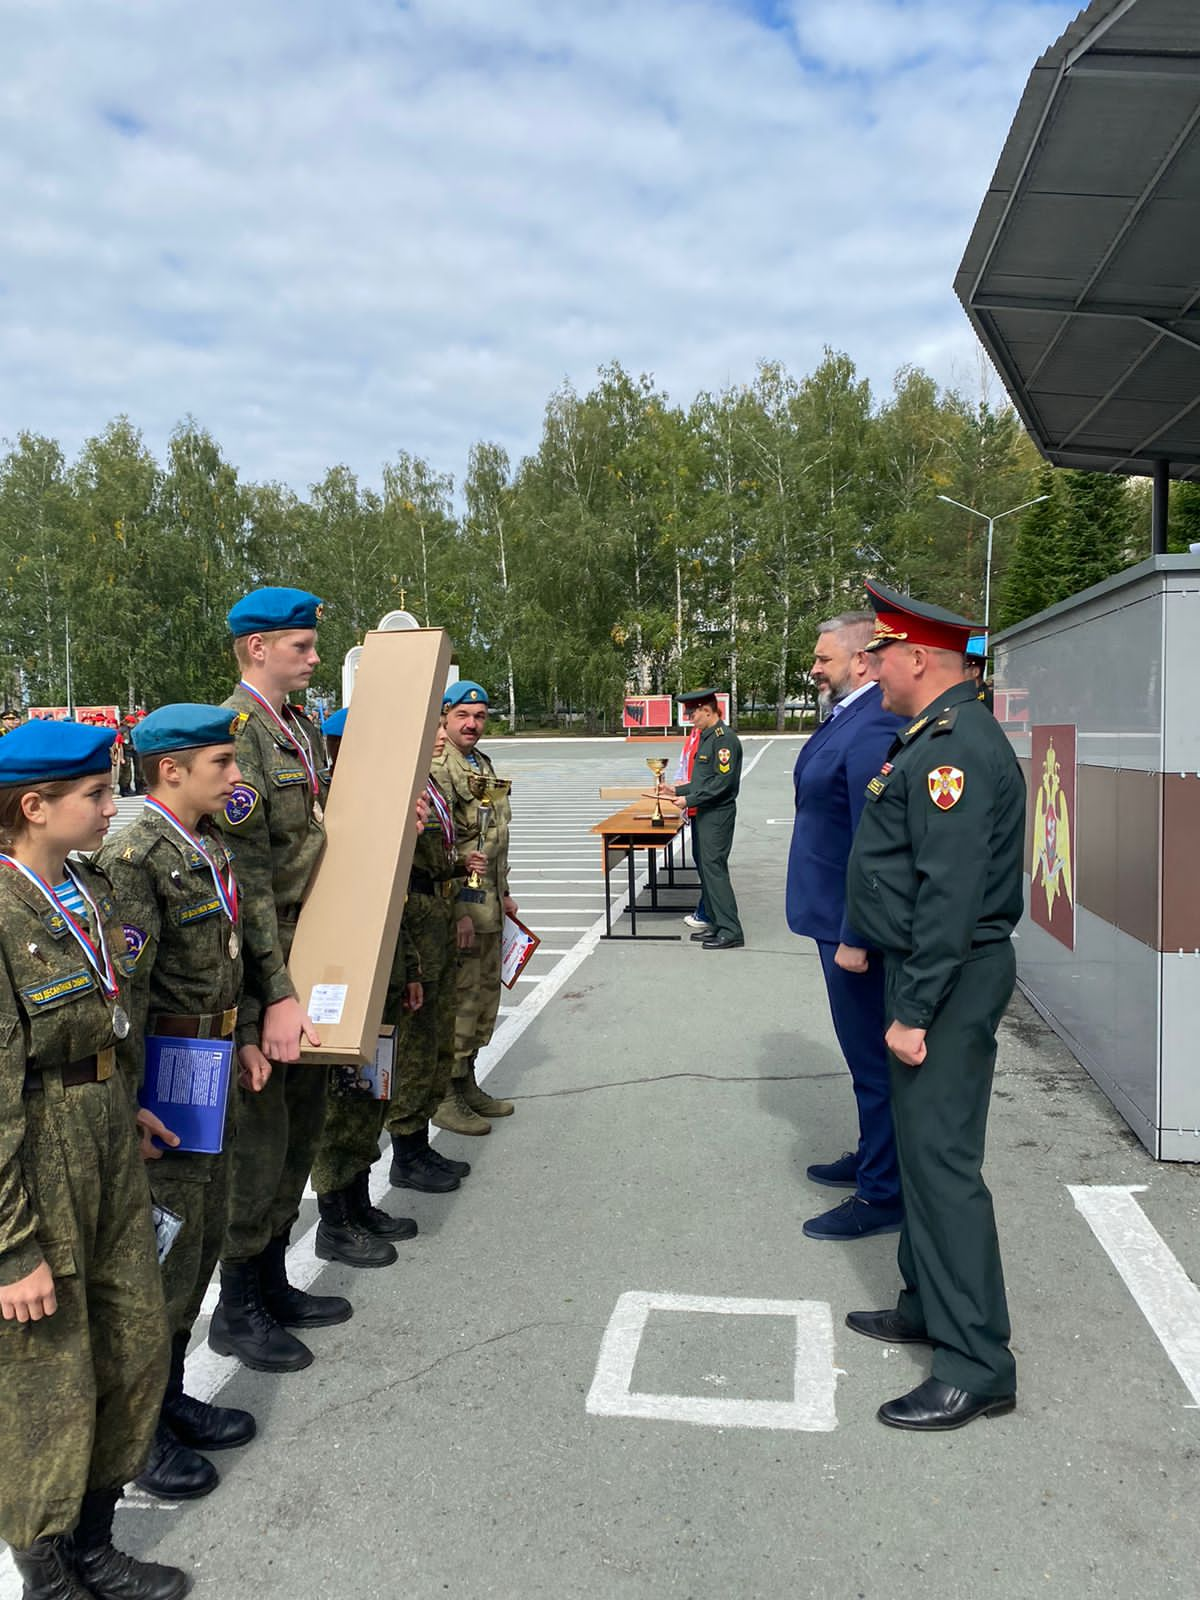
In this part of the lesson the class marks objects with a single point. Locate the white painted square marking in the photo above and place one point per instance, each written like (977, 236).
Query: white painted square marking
(812, 1408)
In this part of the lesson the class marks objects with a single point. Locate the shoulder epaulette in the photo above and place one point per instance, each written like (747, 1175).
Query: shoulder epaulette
(945, 722)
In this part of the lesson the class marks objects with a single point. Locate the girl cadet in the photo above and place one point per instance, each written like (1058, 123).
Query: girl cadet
(83, 1338)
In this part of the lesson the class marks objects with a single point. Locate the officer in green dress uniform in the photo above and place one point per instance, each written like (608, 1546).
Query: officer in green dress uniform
(176, 891)
(83, 1330)
(934, 881)
(710, 799)
(274, 828)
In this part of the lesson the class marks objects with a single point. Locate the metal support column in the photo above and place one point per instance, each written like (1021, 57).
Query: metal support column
(1161, 480)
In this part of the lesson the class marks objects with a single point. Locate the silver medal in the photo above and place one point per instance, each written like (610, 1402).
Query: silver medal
(120, 1022)
(318, 811)
(235, 944)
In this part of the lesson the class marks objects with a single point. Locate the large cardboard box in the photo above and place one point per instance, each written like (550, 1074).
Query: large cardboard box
(350, 921)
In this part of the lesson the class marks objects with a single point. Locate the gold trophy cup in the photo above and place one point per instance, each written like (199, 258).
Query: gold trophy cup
(485, 796)
(657, 765)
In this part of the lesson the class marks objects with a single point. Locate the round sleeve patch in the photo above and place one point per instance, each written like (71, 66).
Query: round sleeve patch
(135, 940)
(240, 805)
(946, 786)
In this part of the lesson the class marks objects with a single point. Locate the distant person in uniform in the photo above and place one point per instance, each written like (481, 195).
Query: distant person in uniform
(975, 661)
(934, 881)
(710, 798)
(9, 720)
(831, 776)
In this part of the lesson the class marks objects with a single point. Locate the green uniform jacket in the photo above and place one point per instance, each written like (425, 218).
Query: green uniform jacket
(431, 859)
(452, 773)
(936, 863)
(716, 772)
(275, 841)
(52, 1012)
(177, 933)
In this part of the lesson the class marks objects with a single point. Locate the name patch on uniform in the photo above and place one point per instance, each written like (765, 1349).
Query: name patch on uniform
(946, 787)
(203, 908)
(46, 994)
(240, 805)
(287, 775)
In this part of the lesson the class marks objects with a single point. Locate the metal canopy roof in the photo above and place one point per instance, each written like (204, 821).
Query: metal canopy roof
(1082, 273)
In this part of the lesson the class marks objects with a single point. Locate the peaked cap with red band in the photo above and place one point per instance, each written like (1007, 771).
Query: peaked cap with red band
(899, 619)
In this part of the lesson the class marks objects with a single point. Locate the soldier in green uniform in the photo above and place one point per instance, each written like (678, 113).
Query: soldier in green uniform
(480, 825)
(177, 893)
(934, 881)
(83, 1335)
(274, 825)
(10, 721)
(710, 799)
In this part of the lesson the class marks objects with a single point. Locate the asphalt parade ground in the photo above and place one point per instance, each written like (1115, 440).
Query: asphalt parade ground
(612, 1366)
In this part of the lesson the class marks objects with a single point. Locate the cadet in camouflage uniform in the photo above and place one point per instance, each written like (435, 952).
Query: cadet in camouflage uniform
(934, 881)
(467, 1108)
(83, 1340)
(274, 827)
(171, 877)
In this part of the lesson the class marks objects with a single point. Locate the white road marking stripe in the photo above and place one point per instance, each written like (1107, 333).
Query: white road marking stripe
(1165, 1295)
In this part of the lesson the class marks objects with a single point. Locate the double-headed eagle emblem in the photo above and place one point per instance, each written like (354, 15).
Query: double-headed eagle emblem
(1052, 835)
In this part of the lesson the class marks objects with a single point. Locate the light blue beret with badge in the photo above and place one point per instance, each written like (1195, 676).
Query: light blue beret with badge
(464, 693)
(334, 725)
(270, 610)
(186, 727)
(44, 751)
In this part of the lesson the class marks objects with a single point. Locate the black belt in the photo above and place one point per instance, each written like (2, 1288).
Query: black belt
(424, 883)
(75, 1072)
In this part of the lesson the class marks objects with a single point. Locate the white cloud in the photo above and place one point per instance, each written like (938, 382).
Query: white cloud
(332, 232)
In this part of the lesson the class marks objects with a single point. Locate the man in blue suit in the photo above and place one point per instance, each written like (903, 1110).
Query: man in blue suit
(831, 776)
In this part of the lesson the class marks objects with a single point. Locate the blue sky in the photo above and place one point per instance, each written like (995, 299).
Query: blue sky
(331, 231)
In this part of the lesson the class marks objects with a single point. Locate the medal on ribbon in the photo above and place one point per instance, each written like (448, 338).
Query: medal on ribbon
(226, 889)
(298, 739)
(95, 952)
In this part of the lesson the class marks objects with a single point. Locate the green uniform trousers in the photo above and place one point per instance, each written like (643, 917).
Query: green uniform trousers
(712, 840)
(196, 1188)
(424, 1056)
(949, 1255)
(80, 1391)
(477, 1000)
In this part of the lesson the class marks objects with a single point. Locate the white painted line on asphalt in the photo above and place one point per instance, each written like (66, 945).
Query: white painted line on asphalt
(812, 1408)
(1165, 1295)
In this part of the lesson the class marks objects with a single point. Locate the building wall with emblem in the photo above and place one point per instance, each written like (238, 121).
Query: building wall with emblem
(1109, 948)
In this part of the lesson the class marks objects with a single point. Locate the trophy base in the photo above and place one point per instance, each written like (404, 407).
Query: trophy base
(658, 822)
(473, 897)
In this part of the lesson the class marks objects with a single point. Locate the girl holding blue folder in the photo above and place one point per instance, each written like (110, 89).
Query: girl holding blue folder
(83, 1340)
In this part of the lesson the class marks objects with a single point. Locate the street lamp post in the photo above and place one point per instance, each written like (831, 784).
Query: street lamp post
(991, 522)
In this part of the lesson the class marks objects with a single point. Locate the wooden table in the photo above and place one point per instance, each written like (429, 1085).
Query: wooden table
(628, 831)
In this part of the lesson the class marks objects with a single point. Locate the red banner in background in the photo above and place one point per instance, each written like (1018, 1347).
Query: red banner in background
(1052, 798)
(645, 711)
(82, 714)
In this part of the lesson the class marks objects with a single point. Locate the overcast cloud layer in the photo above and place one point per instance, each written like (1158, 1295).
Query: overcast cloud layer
(332, 229)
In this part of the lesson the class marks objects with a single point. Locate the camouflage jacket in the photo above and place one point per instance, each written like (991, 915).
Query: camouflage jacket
(274, 839)
(177, 933)
(434, 859)
(52, 1012)
(453, 771)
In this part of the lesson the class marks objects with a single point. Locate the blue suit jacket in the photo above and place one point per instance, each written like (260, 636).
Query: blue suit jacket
(831, 776)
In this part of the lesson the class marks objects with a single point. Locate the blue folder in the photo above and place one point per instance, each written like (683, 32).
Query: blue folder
(186, 1085)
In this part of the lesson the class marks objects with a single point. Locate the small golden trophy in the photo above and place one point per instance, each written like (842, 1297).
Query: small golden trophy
(657, 765)
(481, 788)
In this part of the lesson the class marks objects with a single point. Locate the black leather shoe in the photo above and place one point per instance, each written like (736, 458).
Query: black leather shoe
(242, 1326)
(886, 1325)
(701, 934)
(413, 1166)
(47, 1571)
(342, 1237)
(110, 1574)
(722, 941)
(206, 1427)
(174, 1471)
(935, 1407)
(459, 1169)
(375, 1220)
(292, 1307)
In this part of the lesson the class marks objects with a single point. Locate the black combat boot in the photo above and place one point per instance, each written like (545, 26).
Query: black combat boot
(174, 1471)
(47, 1571)
(296, 1308)
(194, 1422)
(342, 1237)
(372, 1218)
(108, 1573)
(242, 1326)
(415, 1167)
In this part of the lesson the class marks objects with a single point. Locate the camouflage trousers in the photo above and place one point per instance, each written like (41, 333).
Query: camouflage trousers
(80, 1391)
(278, 1130)
(196, 1188)
(424, 1055)
(478, 999)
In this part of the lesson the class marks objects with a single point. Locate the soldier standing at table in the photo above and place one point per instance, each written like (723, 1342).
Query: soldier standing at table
(274, 823)
(83, 1334)
(710, 799)
(480, 920)
(934, 881)
(176, 890)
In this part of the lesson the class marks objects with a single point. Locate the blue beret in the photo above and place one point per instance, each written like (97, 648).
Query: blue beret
(977, 647)
(42, 751)
(268, 610)
(464, 692)
(334, 725)
(185, 727)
